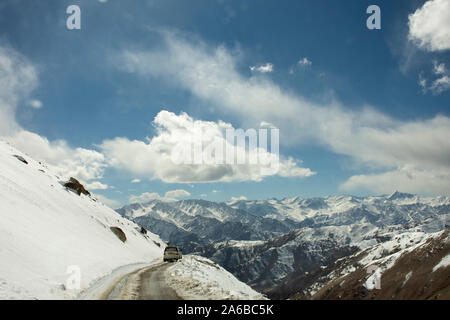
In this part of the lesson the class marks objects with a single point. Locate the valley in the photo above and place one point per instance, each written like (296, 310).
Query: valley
(272, 244)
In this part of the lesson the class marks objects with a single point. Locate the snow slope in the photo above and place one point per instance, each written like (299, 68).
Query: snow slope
(45, 228)
(195, 277)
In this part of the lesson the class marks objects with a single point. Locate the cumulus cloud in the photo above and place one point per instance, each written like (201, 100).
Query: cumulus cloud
(366, 135)
(179, 193)
(144, 197)
(156, 157)
(96, 185)
(172, 195)
(84, 164)
(238, 198)
(136, 180)
(105, 200)
(265, 68)
(429, 26)
(18, 78)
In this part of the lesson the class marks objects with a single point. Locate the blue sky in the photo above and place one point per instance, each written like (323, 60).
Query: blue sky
(346, 99)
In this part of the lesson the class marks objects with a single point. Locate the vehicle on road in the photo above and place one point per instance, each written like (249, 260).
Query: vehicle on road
(172, 253)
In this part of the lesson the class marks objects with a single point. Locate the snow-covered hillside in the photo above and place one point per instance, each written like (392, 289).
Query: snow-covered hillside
(46, 230)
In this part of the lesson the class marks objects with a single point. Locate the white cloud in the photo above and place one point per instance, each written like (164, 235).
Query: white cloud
(366, 135)
(439, 84)
(96, 185)
(109, 202)
(265, 124)
(238, 198)
(265, 68)
(84, 164)
(136, 180)
(407, 179)
(429, 26)
(18, 78)
(175, 194)
(172, 195)
(439, 68)
(144, 197)
(423, 83)
(304, 62)
(36, 104)
(154, 157)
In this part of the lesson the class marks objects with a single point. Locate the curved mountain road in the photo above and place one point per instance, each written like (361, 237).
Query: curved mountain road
(143, 284)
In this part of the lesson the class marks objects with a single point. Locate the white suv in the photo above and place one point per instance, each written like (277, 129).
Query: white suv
(172, 253)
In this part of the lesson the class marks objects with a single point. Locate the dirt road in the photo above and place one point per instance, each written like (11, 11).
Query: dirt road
(143, 284)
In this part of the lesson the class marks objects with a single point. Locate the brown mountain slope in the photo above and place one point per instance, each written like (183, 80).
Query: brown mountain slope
(413, 275)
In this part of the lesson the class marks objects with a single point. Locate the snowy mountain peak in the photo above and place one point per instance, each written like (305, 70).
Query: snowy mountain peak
(293, 200)
(396, 195)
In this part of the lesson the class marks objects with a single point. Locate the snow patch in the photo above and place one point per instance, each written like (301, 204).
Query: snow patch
(445, 262)
(195, 277)
(408, 275)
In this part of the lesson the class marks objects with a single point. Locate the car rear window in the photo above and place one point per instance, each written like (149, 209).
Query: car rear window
(171, 249)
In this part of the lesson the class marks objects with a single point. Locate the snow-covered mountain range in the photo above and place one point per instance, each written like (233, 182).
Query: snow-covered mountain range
(288, 248)
(268, 242)
(197, 222)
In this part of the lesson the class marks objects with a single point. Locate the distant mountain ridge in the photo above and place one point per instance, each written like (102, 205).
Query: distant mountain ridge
(267, 242)
(190, 223)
